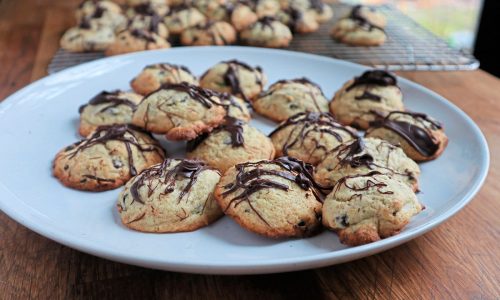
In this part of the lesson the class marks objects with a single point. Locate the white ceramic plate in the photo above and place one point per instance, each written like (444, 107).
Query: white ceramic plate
(42, 118)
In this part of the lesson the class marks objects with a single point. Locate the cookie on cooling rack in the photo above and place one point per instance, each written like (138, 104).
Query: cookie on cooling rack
(173, 196)
(231, 143)
(150, 23)
(107, 108)
(107, 159)
(183, 17)
(299, 21)
(267, 32)
(133, 40)
(365, 208)
(275, 198)
(242, 16)
(267, 8)
(370, 14)
(214, 10)
(310, 136)
(235, 77)
(320, 11)
(101, 14)
(217, 33)
(365, 98)
(286, 98)
(180, 111)
(421, 137)
(153, 76)
(148, 8)
(357, 30)
(363, 155)
(86, 37)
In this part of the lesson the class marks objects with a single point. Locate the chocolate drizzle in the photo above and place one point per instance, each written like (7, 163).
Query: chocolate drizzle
(197, 93)
(168, 176)
(104, 134)
(143, 35)
(231, 77)
(374, 77)
(417, 136)
(231, 125)
(111, 98)
(249, 180)
(361, 20)
(311, 123)
(370, 183)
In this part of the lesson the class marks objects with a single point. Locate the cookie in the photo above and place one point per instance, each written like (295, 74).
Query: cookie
(101, 14)
(134, 40)
(150, 23)
(85, 37)
(235, 107)
(153, 76)
(267, 32)
(356, 30)
(361, 100)
(231, 143)
(365, 208)
(310, 136)
(370, 14)
(242, 17)
(214, 10)
(235, 77)
(363, 155)
(267, 8)
(421, 137)
(211, 33)
(148, 8)
(321, 11)
(299, 21)
(275, 198)
(107, 108)
(182, 17)
(173, 196)
(180, 111)
(286, 98)
(107, 159)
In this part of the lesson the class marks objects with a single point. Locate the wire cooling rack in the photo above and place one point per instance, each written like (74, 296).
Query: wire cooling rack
(408, 47)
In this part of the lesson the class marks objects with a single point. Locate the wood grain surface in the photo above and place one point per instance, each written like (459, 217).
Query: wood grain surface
(458, 260)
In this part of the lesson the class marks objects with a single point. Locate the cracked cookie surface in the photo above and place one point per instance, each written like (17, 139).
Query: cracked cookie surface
(365, 208)
(107, 159)
(173, 196)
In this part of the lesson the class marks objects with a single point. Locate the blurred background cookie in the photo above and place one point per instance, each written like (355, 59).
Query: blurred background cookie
(133, 40)
(211, 33)
(86, 37)
(267, 32)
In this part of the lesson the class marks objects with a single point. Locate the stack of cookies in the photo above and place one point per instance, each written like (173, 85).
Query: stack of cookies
(154, 24)
(314, 170)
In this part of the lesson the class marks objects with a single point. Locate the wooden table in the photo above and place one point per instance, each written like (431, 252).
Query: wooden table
(458, 260)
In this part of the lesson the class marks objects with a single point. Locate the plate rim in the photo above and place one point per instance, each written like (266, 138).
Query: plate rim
(7, 198)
